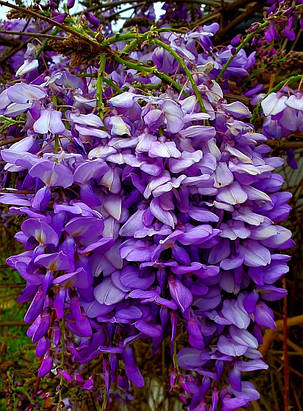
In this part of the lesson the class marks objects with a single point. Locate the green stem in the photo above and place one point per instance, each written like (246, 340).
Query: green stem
(145, 69)
(240, 47)
(169, 80)
(152, 70)
(134, 65)
(99, 84)
(19, 389)
(260, 69)
(104, 402)
(171, 29)
(56, 144)
(112, 84)
(119, 37)
(54, 100)
(44, 44)
(175, 358)
(185, 68)
(133, 35)
(147, 85)
(272, 90)
(246, 40)
(106, 80)
(7, 122)
(130, 46)
(254, 74)
(92, 75)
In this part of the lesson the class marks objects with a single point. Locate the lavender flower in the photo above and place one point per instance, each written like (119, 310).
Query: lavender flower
(159, 215)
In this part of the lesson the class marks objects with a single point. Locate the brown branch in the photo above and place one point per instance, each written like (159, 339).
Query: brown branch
(13, 285)
(285, 356)
(37, 383)
(6, 365)
(7, 41)
(294, 391)
(292, 321)
(270, 335)
(121, 2)
(239, 19)
(13, 324)
(298, 373)
(30, 34)
(224, 12)
(292, 345)
(234, 97)
(208, 17)
(20, 47)
(114, 15)
(12, 140)
(284, 144)
(236, 5)
(13, 191)
(39, 16)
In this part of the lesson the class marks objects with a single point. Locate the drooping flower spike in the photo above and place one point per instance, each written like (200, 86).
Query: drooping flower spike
(159, 219)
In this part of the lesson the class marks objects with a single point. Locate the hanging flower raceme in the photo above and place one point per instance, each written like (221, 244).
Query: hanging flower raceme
(283, 111)
(160, 220)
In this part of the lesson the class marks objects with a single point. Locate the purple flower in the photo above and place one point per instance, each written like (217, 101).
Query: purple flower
(147, 218)
(131, 368)
(46, 365)
(52, 174)
(180, 294)
(49, 121)
(23, 93)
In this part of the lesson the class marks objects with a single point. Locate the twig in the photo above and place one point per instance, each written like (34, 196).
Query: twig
(208, 17)
(112, 84)
(270, 335)
(245, 41)
(185, 68)
(114, 15)
(20, 47)
(292, 345)
(63, 27)
(12, 140)
(106, 80)
(239, 19)
(99, 84)
(297, 399)
(290, 353)
(240, 47)
(296, 40)
(13, 324)
(15, 191)
(13, 285)
(235, 5)
(285, 356)
(284, 144)
(152, 70)
(30, 34)
(8, 41)
(298, 373)
(274, 392)
(121, 2)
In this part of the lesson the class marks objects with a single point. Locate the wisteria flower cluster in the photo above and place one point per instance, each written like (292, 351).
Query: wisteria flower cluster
(282, 26)
(282, 22)
(148, 215)
(283, 111)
